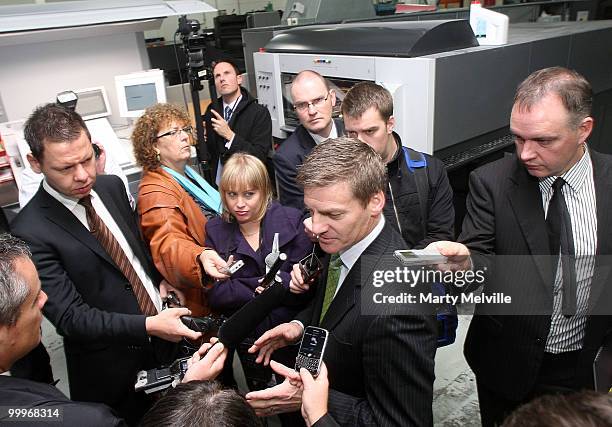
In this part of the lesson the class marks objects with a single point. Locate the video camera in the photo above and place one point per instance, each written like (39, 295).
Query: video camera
(160, 379)
(194, 45)
(194, 48)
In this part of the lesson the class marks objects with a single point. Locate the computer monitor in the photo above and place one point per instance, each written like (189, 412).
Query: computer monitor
(137, 91)
(92, 103)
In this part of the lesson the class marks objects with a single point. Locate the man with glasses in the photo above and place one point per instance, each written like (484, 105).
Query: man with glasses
(104, 293)
(313, 102)
(235, 121)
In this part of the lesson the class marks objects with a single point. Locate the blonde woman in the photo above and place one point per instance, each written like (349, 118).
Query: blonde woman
(246, 231)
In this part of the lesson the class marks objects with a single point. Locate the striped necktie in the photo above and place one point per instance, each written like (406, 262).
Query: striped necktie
(333, 276)
(101, 232)
(228, 113)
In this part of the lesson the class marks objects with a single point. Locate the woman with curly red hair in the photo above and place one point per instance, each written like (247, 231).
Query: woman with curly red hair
(174, 201)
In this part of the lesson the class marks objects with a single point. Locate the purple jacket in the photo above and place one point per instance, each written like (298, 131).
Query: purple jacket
(228, 296)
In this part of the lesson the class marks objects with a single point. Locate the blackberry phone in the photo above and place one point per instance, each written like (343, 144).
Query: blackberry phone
(311, 350)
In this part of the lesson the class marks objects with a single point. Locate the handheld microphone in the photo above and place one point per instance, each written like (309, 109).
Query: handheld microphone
(240, 325)
(270, 276)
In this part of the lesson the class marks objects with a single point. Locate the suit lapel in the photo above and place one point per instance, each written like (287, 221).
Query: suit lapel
(603, 190)
(358, 276)
(344, 299)
(306, 140)
(525, 198)
(132, 239)
(57, 213)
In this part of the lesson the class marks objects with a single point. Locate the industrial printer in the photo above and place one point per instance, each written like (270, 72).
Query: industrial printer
(452, 97)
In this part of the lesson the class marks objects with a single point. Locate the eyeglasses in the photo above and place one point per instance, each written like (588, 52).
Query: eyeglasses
(317, 102)
(174, 132)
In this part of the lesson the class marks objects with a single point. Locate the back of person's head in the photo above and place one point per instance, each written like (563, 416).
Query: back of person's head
(203, 404)
(347, 160)
(13, 288)
(570, 86)
(583, 409)
(244, 172)
(52, 123)
(365, 95)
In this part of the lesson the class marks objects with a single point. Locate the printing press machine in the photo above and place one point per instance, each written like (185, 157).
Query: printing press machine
(452, 97)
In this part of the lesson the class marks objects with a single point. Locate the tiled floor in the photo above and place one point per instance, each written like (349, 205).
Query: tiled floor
(455, 402)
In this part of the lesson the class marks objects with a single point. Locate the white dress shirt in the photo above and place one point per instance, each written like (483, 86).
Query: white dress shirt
(567, 333)
(333, 133)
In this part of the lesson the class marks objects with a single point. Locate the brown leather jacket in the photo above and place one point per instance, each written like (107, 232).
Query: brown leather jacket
(173, 225)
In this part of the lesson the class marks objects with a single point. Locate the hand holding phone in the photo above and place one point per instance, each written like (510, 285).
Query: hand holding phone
(417, 257)
(311, 350)
(232, 267)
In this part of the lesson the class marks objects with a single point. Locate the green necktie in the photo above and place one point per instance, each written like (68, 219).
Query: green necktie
(333, 275)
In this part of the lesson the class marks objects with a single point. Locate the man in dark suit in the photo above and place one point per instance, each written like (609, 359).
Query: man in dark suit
(313, 102)
(235, 121)
(104, 295)
(20, 318)
(551, 198)
(380, 364)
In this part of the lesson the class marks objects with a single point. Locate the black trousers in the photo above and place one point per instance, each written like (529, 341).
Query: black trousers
(557, 376)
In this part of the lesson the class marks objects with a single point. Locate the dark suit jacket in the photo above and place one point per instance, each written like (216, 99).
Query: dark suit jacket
(325, 421)
(250, 122)
(288, 157)
(17, 392)
(381, 367)
(91, 303)
(505, 218)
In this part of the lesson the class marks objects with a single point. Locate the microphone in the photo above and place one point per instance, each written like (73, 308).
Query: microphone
(240, 325)
(270, 276)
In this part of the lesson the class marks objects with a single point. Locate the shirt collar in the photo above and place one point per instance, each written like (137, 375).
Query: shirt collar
(398, 150)
(333, 133)
(574, 177)
(351, 255)
(69, 202)
(233, 104)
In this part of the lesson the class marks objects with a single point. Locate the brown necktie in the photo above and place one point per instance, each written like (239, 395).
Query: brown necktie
(101, 232)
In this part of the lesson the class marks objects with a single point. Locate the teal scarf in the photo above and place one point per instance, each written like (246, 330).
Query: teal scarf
(205, 193)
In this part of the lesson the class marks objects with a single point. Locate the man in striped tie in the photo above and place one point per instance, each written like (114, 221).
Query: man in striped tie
(538, 223)
(380, 363)
(104, 292)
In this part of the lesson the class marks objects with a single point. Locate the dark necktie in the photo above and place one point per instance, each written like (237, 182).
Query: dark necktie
(561, 242)
(333, 276)
(228, 113)
(101, 232)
